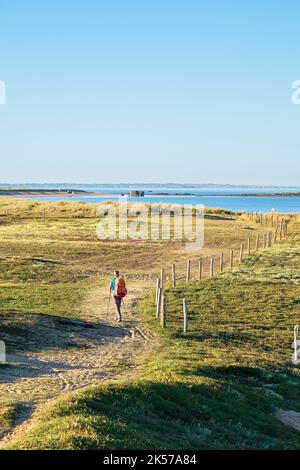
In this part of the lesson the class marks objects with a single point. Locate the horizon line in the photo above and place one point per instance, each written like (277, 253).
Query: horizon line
(149, 184)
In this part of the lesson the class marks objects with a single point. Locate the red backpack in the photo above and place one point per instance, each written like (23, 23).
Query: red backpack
(120, 290)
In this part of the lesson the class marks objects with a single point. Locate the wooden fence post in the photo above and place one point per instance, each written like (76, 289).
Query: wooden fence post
(257, 242)
(249, 246)
(163, 312)
(221, 261)
(185, 316)
(157, 290)
(275, 235)
(174, 275)
(162, 277)
(281, 231)
(241, 252)
(211, 268)
(270, 239)
(231, 259)
(158, 306)
(188, 271)
(286, 228)
(265, 241)
(200, 269)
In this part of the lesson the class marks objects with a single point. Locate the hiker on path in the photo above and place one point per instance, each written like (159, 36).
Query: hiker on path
(117, 287)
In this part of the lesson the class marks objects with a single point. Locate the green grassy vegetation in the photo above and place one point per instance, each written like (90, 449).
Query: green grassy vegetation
(215, 387)
(7, 415)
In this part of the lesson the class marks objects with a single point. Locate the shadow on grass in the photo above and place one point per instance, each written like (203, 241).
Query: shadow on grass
(25, 335)
(26, 332)
(217, 336)
(153, 415)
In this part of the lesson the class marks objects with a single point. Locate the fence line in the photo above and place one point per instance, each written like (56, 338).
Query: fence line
(268, 239)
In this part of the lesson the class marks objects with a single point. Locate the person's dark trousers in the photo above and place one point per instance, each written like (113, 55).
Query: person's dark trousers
(118, 302)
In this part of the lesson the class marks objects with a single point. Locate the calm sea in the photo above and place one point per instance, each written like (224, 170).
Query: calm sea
(222, 197)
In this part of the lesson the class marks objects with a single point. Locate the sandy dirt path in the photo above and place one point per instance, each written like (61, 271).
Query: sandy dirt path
(77, 353)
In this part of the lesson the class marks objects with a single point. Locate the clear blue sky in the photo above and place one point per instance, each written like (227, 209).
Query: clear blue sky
(150, 91)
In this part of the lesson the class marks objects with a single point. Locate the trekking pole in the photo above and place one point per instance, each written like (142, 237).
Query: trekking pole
(108, 305)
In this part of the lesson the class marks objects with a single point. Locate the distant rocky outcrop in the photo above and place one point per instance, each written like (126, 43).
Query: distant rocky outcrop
(136, 193)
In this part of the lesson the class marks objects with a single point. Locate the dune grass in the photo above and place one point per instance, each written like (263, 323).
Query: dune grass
(215, 387)
(30, 208)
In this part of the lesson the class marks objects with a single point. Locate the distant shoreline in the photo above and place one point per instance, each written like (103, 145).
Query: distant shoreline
(49, 192)
(230, 195)
(79, 192)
